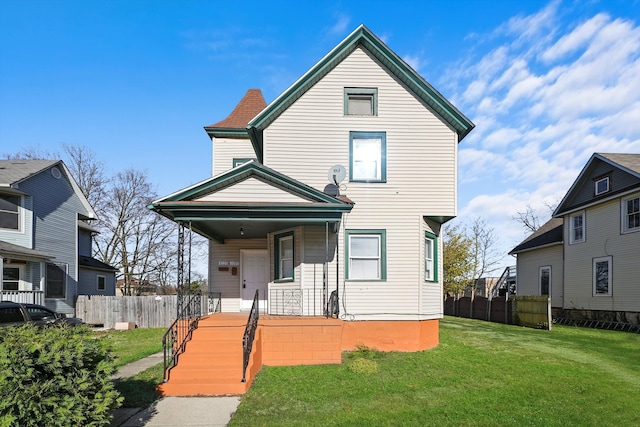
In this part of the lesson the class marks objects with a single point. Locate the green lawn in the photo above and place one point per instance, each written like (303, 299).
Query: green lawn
(135, 344)
(481, 374)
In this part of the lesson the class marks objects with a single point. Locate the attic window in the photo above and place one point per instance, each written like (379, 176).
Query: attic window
(360, 101)
(601, 185)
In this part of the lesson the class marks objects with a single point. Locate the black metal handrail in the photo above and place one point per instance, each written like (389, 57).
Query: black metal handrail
(249, 335)
(175, 339)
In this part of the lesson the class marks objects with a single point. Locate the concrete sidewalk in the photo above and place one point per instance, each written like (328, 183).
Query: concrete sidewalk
(173, 411)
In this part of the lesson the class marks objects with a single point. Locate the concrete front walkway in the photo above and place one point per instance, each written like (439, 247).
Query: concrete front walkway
(173, 411)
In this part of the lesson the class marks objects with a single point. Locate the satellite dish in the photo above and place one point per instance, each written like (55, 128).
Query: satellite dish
(337, 174)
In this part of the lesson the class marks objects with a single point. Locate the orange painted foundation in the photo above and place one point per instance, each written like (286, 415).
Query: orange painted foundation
(212, 362)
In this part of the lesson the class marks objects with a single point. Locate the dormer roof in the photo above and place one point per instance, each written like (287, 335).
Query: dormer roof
(235, 125)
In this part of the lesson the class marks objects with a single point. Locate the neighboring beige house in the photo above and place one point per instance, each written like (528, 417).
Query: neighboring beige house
(587, 257)
(336, 189)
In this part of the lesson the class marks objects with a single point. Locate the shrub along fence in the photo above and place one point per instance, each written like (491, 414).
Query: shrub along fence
(525, 310)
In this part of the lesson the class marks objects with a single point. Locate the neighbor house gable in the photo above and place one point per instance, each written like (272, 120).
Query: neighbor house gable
(618, 174)
(363, 38)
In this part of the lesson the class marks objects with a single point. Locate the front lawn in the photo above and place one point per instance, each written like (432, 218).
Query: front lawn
(481, 374)
(135, 344)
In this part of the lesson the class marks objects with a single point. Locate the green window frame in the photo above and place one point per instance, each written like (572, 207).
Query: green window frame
(241, 161)
(367, 156)
(430, 257)
(360, 259)
(360, 101)
(284, 257)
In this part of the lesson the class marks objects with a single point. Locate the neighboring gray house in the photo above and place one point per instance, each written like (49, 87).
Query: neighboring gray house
(45, 241)
(587, 257)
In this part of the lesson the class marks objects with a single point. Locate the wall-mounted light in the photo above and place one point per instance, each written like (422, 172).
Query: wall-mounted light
(242, 231)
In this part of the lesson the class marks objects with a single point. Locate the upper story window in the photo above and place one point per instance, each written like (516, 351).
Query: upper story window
(631, 214)
(368, 156)
(359, 101)
(9, 212)
(601, 185)
(284, 256)
(366, 255)
(576, 228)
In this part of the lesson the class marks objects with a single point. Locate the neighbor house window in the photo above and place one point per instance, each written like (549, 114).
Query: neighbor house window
(360, 101)
(284, 256)
(602, 276)
(56, 281)
(102, 283)
(366, 255)
(238, 162)
(430, 257)
(11, 277)
(368, 153)
(631, 214)
(545, 279)
(9, 212)
(601, 185)
(576, 228)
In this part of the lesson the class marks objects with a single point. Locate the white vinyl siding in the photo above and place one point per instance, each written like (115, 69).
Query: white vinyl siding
(252, 190)
(529, 264)
(227, 149)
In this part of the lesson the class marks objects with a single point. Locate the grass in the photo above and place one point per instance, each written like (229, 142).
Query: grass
(481, 374)
(139, 391)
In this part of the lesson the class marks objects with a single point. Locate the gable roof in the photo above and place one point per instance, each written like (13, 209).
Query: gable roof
(549, 234)
(364, 38)
(235, 125)
(13, 172)
(627, 163)
(220, 220)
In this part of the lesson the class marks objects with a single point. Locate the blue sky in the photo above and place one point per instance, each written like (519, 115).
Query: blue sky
(546, 83)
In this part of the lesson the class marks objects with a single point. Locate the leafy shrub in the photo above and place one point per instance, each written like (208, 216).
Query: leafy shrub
(55, 376)
(362, 352)
(363, 366)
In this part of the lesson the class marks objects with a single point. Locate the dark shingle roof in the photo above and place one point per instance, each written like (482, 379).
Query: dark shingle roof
(549, 233)
(87, 261)
(12, 171)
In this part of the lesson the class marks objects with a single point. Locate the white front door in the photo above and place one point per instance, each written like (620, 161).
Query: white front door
(254, 275)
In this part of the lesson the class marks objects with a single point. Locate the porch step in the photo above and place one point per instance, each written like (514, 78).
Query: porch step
(212, 361)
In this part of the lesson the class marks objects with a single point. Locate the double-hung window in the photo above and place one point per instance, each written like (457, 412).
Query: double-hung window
(56, 281)
(284, 256)
(631, 214)
(545, 279)
(368, 156)
(360, 101)
(9, 212)
(430, 257)
(11, 277)
(602, 276)
(576, 228)
(366, 254)
(101, 282)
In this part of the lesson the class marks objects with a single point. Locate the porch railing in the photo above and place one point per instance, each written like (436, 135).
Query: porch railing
(175, 339)
(249, 335)
(24, 297)
(302, 302)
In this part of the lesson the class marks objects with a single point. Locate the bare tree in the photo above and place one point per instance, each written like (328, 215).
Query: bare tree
(32, 153)
(485, 258)
(89, 173)
(530, 218)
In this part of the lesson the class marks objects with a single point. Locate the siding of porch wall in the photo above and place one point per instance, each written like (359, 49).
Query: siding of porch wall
(223, 281)
(528, 264)
(421, 176)
(603, 238)
(227, 149)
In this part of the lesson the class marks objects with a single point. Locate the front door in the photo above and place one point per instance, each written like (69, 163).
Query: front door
(254, 275)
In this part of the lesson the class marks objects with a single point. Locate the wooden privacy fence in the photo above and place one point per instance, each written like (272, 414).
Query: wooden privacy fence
(524, 310)
(144, 311)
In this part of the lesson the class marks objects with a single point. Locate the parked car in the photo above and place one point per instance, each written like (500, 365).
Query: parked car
(13, 313)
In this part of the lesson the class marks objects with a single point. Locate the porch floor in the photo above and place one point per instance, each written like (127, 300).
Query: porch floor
(212, 361)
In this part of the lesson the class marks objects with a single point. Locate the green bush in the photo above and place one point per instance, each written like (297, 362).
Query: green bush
(55, 376)
(363, 366)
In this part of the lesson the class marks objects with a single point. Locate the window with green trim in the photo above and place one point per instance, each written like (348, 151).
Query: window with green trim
(360, 101)
(430, 257)
(368, 156)
(366, 255)
(284, 256)
(238, 162)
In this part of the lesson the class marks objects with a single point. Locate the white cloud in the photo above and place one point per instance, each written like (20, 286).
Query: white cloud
(413, 61)
(340, 26)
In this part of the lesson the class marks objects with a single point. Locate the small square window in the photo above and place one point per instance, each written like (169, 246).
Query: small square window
(602, 185)
(360, 101)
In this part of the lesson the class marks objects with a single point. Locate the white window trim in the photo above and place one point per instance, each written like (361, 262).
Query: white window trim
(609, 260)
(21, 269)
(98, 277)
(595, 185)
(21, 214)
(623, 215)
(280, 239)
(584, 228)
(540, 270)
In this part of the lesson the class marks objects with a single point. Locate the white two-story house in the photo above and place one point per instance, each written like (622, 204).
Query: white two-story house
(587, 257)
(45, 237)
(331, 198)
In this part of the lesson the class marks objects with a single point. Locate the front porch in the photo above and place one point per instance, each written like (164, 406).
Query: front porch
(212, 361)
